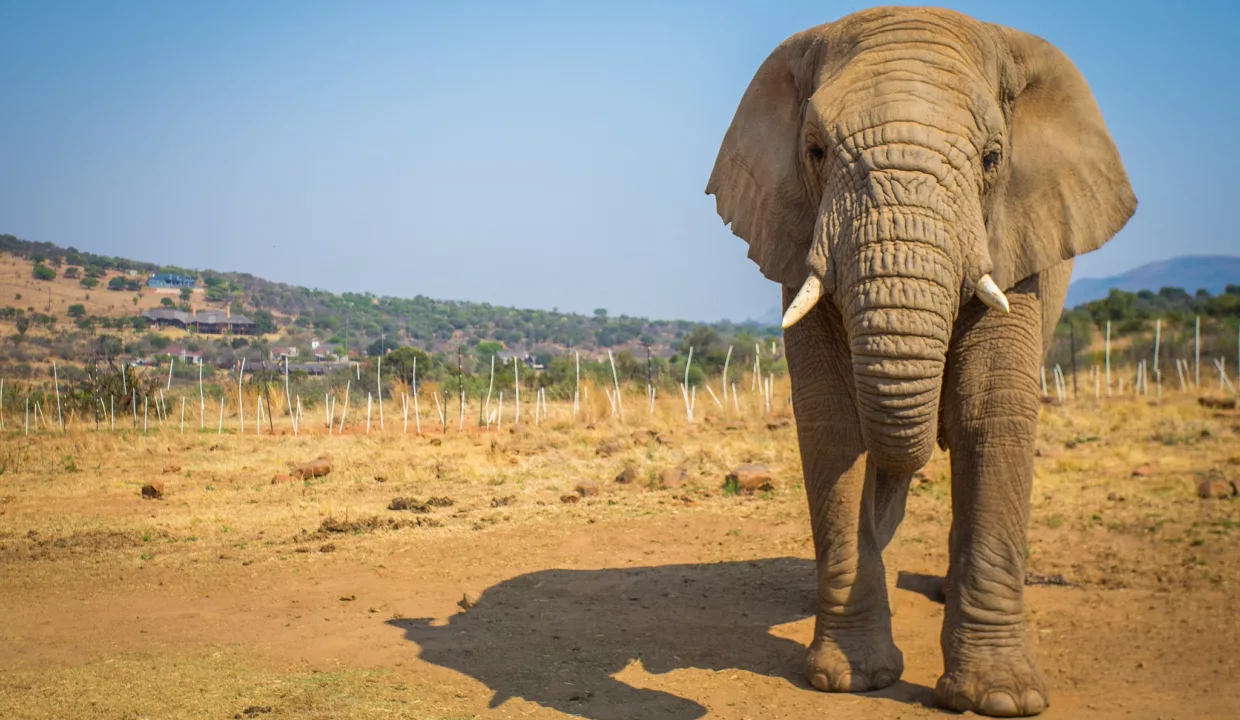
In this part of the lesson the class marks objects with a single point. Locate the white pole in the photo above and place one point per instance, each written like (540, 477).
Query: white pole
(146, 412)
(1043, 380)
(379, 389)
(616, 380)
(442, 420)
(202, 400)
(486, 408)
(344, 412)
(736, 404)
(112, 402)
(56, 377)
(726, 360)
(417, 416)
(220, 431)
(288, 397)
(404, 411)
(1179, 369)
(240, 404)
(757, 365)
(1197, 353)
(2, 403)
(652, 394)
(1157, 344)
(713, 396)
(27, 411)
(171, 361)
(1108, 358)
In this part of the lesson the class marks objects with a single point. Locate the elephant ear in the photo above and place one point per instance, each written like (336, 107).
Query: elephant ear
(756, 180)
(1067, 192)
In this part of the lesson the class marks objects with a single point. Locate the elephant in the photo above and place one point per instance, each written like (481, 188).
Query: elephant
(919, 183)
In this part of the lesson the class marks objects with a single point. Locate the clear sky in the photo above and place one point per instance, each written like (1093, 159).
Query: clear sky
(537, 154)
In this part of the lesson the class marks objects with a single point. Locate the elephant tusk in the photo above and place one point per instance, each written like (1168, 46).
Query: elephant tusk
(807, 297)
(990, 294)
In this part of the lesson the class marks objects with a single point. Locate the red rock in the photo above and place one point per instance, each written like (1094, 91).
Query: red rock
(751, 478)
(627, 476)
(281, 479)
(1209, 489)
(587, 488)
(1142, 470)
(673, 478)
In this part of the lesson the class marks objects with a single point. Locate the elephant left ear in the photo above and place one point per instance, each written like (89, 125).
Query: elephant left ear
(1067, 192)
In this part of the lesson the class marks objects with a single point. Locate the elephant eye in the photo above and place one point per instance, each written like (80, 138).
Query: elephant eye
(816, 153)
(991, 159)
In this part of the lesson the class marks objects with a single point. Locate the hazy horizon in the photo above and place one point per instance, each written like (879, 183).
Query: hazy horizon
(547, 156)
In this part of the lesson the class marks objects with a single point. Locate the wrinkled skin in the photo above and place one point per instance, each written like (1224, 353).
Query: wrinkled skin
(899, 155)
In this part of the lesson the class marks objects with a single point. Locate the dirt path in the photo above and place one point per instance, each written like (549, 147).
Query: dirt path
(654, 618)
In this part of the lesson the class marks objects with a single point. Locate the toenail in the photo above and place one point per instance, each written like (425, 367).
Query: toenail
(1033, 701)
(999, 704)
(820, 681)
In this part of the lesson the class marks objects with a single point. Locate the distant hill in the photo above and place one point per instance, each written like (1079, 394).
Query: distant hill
(1191, 272)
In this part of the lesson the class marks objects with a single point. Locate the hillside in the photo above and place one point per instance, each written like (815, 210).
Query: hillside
(1212, 273)
(347, 323)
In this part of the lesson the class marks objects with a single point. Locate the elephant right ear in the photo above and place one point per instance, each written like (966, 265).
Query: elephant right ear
(756, 180)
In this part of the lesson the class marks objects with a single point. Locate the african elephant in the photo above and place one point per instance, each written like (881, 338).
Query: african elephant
(919, 183)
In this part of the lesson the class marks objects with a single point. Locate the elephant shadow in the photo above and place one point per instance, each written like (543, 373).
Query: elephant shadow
(557, 637)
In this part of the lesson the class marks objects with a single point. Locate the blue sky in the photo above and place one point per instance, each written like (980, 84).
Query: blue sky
(538, 154)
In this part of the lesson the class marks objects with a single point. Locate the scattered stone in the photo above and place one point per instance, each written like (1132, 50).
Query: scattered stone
(153, 490)
(750, 478)
(411, 504)
(1219, 403)
(607, 448)
(348, 598)
(1032, 578)
(662, 439)
(281, 479)
(468, 600)
(443, 501)
(569, 498)
(168, 469)
(587, 488)
(777, 425)
(253, 710)
(318, 467)
(327, 547)
(627, 475)
(380, 479)
(673, 478)
(1142, 470)
(1210, 489)
(1115, 497)
(504, 501)
(436, 442)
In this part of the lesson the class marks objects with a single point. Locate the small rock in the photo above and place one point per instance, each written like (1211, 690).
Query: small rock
(1235, 486)
(587, 488)
(281, 479)
(380, 479)
(777, 425)
(468, 600)
(503, 501)
(348, 598)
(750, 478)
(569, 498)
(153, 490)
(627, 475)
(673, 478)
(608, 448)
(329, 547)
(662, 439)
(1209, 489)
(172, 469)
(436, 442)
(1142, 470)
(1114, 496)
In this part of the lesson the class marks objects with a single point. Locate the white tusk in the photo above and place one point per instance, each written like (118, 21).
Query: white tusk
(807, 297)
(990, 294)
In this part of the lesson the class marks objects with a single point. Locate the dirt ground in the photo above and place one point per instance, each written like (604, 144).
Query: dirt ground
(236, 597)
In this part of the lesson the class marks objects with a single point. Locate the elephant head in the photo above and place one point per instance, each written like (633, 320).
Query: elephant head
(902, 162)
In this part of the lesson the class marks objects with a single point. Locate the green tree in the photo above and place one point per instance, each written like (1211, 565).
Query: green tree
(167, 302)
(23, 324)
(116, 283)
(157, 341)
(43, 272)
(77, 310)
(90, 283)
(72, 273)
(264, 321)
(186, 294)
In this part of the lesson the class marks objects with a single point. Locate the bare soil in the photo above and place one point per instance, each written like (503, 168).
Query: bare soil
(233, 596)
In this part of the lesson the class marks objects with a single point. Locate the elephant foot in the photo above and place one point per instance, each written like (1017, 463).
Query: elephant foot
(858, 663)
(997, 683)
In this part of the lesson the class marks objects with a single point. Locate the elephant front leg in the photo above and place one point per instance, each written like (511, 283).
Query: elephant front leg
(991, 410)
(853, 650)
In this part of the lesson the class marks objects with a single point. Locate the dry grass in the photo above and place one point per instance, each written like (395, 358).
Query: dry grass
(74, 527)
